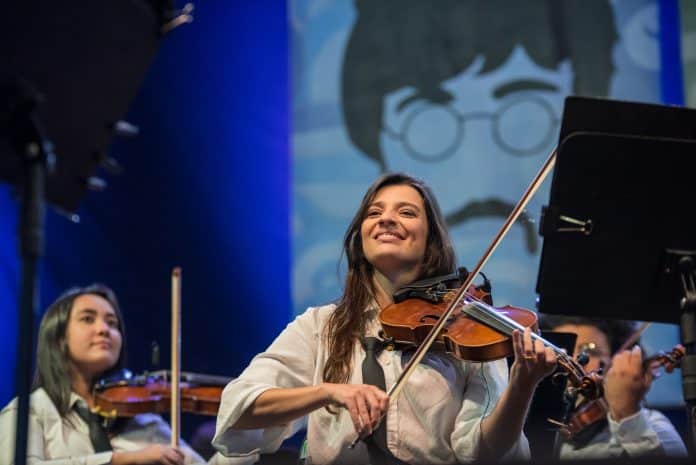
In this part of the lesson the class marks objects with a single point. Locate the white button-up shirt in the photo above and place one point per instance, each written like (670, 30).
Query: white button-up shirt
(54, 440)
(435, 420)
(647, 432)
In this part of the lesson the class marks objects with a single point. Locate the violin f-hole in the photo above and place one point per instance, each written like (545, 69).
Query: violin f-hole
(434, 317)
(424, 317)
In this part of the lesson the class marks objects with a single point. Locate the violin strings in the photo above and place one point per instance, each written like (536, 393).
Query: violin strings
(488, 316)
(511, 325)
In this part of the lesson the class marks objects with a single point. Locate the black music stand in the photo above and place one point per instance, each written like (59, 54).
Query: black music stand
(620, 228)
(67, 75)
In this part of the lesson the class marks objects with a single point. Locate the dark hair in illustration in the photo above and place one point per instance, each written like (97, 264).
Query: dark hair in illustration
(412, 43)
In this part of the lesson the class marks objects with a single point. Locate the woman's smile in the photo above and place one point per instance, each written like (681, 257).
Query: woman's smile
(388, 236)
(395, 229)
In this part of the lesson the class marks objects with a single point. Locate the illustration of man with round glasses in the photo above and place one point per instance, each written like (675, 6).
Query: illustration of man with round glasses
(467, 94)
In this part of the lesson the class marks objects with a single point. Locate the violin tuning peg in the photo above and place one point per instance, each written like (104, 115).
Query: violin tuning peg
(155, 355)
(582, 358)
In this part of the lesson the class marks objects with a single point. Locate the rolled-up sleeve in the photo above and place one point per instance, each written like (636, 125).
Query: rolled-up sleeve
(485, 385)
(647, 432)
(290, 361)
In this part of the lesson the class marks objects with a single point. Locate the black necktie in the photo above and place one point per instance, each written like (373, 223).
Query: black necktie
(374, 374)
(371, 369)
(97, 433)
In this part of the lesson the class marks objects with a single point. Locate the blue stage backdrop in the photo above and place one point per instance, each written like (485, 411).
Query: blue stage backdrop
(205, 188)
(467, 95)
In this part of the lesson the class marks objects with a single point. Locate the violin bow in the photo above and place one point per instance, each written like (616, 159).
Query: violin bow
(634, 337)
(175, 415)
(428, 341)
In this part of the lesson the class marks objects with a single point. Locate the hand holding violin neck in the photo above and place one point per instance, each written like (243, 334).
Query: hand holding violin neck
(533, 360)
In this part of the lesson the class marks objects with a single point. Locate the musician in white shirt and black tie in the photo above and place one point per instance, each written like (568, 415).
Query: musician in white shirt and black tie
(316, 370)
(82, 339)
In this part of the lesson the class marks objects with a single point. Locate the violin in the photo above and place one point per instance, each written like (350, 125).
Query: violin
(589, 412)
(162, 391)
(417, 307)
(476, 332)
(130, 395)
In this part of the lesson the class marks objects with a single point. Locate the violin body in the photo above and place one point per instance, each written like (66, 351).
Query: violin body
(416, 310)
(410, 321)
(152, 394)
(129, 401)
(585, 415)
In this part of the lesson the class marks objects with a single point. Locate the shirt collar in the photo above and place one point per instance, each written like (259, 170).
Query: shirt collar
(75, 398)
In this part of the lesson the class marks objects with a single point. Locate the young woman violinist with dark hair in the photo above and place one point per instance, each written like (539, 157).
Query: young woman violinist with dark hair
(82, 339)
(449, 411)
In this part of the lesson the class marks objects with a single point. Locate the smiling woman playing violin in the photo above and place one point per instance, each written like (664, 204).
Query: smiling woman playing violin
(625, 427)
(325, 366)
(81, 339)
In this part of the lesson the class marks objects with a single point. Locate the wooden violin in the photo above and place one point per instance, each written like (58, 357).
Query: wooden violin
(151, 393)
(162, 391)
(477, 332)
(419, 306)
(590, 412)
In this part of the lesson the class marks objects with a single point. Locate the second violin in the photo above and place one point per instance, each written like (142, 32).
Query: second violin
(151, 393)
(589, 412)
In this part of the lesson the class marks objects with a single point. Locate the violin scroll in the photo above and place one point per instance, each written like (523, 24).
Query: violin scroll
(667, 360)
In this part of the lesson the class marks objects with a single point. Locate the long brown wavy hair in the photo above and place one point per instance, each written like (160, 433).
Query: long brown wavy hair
(347, 322)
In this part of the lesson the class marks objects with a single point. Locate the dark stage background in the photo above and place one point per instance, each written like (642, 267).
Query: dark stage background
(205, 188)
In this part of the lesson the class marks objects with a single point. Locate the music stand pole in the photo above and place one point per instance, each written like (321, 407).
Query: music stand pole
(102, 59)
(36, 156)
